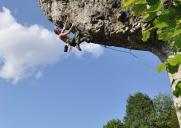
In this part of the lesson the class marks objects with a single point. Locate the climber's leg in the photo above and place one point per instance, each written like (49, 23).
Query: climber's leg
(77, 37)
(77, 40)
(72, 41)
(85, 39)
(80, 38)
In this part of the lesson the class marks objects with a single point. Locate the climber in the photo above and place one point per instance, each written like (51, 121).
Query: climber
(74, 41)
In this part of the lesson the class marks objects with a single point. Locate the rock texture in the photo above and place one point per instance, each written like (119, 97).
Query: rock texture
(105, 22)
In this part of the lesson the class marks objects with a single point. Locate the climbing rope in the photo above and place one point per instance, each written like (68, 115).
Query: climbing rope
(118, 50)
(143, 63)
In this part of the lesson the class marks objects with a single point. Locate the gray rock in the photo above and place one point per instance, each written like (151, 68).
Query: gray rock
(105, 25)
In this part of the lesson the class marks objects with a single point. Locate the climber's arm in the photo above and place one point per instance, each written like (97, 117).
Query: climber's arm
(63, 34)
(69, 30)
(65, 25)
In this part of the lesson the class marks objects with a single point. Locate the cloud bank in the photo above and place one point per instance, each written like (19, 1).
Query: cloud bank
(25, 49)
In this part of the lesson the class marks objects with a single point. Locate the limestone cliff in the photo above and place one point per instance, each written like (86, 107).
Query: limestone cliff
(105, 22)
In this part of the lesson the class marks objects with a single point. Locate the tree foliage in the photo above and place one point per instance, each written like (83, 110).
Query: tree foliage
(164, 115)
(114, 123)
(143, 112)
(165, 17)
(138, 111)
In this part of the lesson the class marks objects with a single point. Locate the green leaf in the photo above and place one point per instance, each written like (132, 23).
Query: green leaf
(175, 61)
(172, 61)
(170, 11)
(161, 67)
(166, 19)
(178, 58)
(177, 31)
(178, 6)
(166, 34)
(149, 16)
(163, 22)
(127, 3)
(178, 19)
(177, 44)
(171, 68)
(138, 9)
(152, 2)
(140, 2)
(155, 7)
(179, 85)
(176, 93)
(146, 35)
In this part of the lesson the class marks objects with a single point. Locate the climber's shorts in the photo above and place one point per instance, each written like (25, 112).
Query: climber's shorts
(74, 40)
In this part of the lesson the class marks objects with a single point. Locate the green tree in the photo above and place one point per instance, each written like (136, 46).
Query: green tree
(114, 123)
(138, 111)
(143, 112)
(164, 115)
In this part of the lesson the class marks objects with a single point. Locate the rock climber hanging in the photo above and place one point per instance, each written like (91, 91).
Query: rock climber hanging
(73, 41)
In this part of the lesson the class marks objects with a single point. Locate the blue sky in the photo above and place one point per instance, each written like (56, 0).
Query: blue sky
(75, 91)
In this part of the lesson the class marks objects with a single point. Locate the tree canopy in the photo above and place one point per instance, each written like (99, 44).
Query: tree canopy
(164, 115)
(114, 123)
(144, 112)
(138, 110)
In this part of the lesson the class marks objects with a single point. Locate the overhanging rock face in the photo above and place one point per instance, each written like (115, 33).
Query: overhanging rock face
(105, 22)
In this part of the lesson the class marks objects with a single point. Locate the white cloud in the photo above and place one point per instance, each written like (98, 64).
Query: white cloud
(38, 75)
(24, 49)
(95, 49)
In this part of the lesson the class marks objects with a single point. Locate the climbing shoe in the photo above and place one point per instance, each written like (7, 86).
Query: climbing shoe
(78, 47)
(66, 48)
